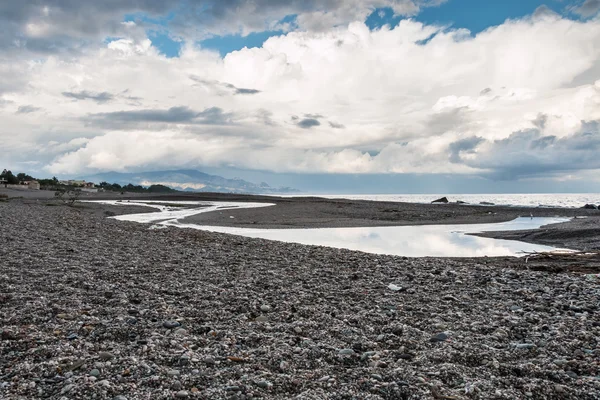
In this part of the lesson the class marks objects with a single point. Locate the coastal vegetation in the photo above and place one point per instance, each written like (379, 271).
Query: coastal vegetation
(64, 187)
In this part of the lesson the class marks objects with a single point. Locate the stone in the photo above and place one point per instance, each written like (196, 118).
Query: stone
(346, 352)
(171, 324)
(590, 207)
(263, 384)
(524, 345)
(173, 373)
(441, 200)
(67, 389)
(261, 318)
(209, 361)
(182, 394)
(298, 330)
(265, 308)
(105, 356)
(440, 337)
(95, 372)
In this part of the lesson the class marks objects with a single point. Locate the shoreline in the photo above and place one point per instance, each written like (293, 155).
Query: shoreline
(314, 212)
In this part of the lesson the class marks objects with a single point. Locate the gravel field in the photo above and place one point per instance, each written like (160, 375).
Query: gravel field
(94, 308)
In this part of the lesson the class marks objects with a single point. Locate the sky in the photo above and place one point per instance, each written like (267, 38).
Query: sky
(362, 94)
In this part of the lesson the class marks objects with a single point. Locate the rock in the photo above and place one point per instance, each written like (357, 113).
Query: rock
(487, 203)
(440, 337)
(346, 352)
(182, 394)
(95, 372)
(524, 346)
(173, 373)
(261, 318)
(67, 389)
(441, 200)
(263, 384)
(298, 330)
(590, 207)
(233, 388)
(209, 361)
(105, 356)
(395, 288)
(120, 397)
(171, 324)
(265, 308)
(180, 332)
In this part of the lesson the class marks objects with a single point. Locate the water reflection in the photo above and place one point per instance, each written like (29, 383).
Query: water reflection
(410, 241)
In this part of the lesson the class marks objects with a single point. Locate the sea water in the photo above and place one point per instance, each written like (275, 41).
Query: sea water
(571, 200)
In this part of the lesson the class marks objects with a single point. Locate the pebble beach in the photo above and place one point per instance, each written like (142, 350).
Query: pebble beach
(94, 308)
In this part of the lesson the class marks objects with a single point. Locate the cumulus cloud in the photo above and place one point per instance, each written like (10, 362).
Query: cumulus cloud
(415, 98)
(223, 88)
(59, 26)
(529, 152)
(589, 8)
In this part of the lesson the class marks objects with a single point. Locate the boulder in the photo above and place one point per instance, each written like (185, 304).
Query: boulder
(590, 207)
(487, 203)
(442, 200)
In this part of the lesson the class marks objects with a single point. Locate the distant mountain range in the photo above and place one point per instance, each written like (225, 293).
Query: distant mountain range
(188, 180)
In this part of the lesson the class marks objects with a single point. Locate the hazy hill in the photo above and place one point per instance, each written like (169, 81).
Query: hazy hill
(188, 180)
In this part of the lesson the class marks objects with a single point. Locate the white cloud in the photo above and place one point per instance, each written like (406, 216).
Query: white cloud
(401, 100)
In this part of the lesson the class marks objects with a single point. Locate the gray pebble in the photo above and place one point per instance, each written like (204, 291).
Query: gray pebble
(171, 324)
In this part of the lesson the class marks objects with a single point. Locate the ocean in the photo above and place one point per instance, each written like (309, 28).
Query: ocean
(570, 200)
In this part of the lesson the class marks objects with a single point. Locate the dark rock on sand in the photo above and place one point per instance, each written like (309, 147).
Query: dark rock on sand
(590, 207)
(442, 200)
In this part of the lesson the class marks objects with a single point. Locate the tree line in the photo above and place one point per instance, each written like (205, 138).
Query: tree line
(53, 184)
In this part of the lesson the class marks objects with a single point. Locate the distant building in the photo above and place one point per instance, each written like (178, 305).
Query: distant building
(33, 185)
(3, 182)
(90, 185)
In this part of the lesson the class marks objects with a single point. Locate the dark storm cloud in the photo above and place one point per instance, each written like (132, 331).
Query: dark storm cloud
(174, 115)
(588, 9)
(530, 152)
(307, 123)
(27, 109)
(86, 95)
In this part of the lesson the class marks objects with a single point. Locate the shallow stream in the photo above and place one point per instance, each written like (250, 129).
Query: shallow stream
(409, 241)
